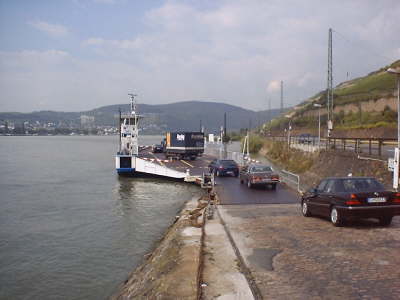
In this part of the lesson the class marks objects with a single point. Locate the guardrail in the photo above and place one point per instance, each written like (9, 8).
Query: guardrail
(291, 178)
(372, 146)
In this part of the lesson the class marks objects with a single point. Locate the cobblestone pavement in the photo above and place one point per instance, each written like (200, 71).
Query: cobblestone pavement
(293, 257)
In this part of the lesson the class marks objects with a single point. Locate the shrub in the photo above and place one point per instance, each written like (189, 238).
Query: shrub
(255, 143)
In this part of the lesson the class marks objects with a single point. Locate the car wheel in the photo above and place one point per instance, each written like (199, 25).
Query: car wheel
(218, 174)
(385, 221)
(336, 217)
(305, 210)
(249, 185)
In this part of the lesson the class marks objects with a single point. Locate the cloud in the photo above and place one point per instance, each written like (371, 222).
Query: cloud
(105, 1)
(53, 30)
(230, 51)
(120, 44)
(273, 86)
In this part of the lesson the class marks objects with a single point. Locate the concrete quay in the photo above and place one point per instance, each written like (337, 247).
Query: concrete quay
(257, 245)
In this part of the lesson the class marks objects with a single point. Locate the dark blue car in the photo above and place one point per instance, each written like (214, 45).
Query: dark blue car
(223, 167)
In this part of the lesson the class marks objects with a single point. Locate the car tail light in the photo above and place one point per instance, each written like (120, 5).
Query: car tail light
(275, 177)
(353, 201)
(396, 198)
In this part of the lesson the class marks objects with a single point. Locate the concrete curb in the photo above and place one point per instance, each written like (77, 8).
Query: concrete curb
(245, 270)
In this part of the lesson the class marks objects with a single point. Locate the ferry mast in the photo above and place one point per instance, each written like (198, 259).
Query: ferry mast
(135, 130)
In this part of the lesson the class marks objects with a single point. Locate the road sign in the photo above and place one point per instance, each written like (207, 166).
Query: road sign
(391, 164)
(396, 169)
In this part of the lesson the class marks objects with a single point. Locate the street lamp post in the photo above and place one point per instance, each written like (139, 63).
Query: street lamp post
(396, 153)
(319, 124)
(397, 72)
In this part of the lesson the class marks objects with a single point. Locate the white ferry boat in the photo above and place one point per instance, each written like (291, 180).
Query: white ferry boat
(128, 140)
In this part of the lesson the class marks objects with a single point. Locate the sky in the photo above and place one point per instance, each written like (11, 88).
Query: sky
(74, 55)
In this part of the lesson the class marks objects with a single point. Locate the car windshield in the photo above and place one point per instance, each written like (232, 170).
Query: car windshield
(228, 163)
(259, 169)
(354, 185)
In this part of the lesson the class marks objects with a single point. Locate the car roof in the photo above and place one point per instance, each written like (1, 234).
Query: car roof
(351, 177)
(259, 165)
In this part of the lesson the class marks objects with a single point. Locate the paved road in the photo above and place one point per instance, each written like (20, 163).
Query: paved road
(230, 191)
(293, 257)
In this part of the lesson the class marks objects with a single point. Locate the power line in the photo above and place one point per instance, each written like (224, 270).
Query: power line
(353, 42)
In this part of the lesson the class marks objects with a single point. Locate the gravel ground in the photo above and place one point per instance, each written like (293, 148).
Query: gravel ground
(292, 257)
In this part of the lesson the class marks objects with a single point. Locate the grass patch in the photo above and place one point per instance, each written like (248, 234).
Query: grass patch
(292, 159)
(376, 85)
(255, 144)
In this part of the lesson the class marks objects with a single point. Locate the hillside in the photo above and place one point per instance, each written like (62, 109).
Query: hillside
(363, 103)
(158, 118)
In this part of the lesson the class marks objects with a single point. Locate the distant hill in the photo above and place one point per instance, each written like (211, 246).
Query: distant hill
(362, 103)
(175, 116)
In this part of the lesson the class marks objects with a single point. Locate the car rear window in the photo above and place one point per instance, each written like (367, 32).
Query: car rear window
(259, 169)
(354, 185)
(228, 162)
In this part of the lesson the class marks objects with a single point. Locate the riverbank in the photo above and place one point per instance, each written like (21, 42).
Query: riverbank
(171, 271)
(196, 259)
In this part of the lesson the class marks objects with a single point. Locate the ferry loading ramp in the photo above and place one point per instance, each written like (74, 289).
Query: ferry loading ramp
(157, 164)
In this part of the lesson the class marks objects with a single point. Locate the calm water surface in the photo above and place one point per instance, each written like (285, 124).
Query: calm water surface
(70, 228)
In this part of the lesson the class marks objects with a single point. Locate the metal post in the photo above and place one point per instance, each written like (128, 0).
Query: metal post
(119, 130)
(370, 147)
(329, 90)
(396, 152)
(224, 138)
(398, 111)
(319, 129)
(281, 96)
(248, 143)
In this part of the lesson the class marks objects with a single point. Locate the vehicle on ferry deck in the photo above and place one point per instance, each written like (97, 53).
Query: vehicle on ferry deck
(184, 144)
(342, 198)
(157, 148)
(259, 175)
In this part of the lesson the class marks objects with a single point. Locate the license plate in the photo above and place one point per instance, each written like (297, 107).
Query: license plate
(376, 200)
(230, 172)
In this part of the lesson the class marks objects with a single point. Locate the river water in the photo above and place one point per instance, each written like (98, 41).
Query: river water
(70, 228)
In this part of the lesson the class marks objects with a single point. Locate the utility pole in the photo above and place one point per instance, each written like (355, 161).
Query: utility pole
(224, 138)
(269, 111)
(329, 90)
(281, 96)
